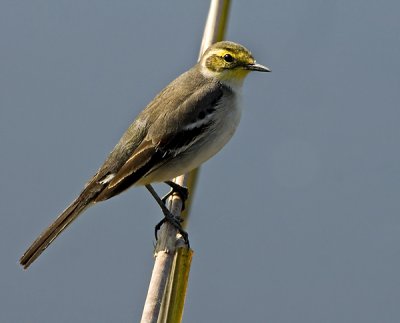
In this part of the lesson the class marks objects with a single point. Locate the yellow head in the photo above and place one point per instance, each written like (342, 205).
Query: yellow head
(229, 62)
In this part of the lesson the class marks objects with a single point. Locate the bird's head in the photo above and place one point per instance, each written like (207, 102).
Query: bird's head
(229, 62)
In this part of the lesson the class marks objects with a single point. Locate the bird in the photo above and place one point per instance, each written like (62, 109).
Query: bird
(187, 123)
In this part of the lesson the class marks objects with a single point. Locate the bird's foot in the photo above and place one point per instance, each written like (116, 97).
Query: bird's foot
(182, 191)
(176, 223)
(168, 216)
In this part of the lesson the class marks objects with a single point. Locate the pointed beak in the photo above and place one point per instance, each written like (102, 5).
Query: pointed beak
(258, 67)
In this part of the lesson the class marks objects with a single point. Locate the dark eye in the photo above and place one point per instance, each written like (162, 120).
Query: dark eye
(228, 58)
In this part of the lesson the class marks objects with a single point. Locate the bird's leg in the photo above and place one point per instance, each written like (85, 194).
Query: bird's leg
(182, 191)
(168, 216)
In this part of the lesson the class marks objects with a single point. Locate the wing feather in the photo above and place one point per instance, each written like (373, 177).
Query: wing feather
(174, 122)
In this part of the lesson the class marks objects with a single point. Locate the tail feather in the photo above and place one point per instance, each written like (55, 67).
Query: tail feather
(84, 200)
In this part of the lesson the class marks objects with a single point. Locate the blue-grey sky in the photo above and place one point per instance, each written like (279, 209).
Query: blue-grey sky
(296, 220)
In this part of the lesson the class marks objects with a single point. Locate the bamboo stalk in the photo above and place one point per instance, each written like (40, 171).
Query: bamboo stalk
(167, 289)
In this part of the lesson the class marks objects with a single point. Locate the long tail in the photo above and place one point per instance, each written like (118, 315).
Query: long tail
(83, 201)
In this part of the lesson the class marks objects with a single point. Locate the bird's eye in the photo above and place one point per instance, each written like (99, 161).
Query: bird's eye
(228, 58)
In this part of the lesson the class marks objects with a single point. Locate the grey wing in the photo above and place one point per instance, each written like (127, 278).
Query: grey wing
(123, 150)
(186, 123)
(169, 134)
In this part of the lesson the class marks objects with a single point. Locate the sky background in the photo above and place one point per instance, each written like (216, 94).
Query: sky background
(296, 220)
